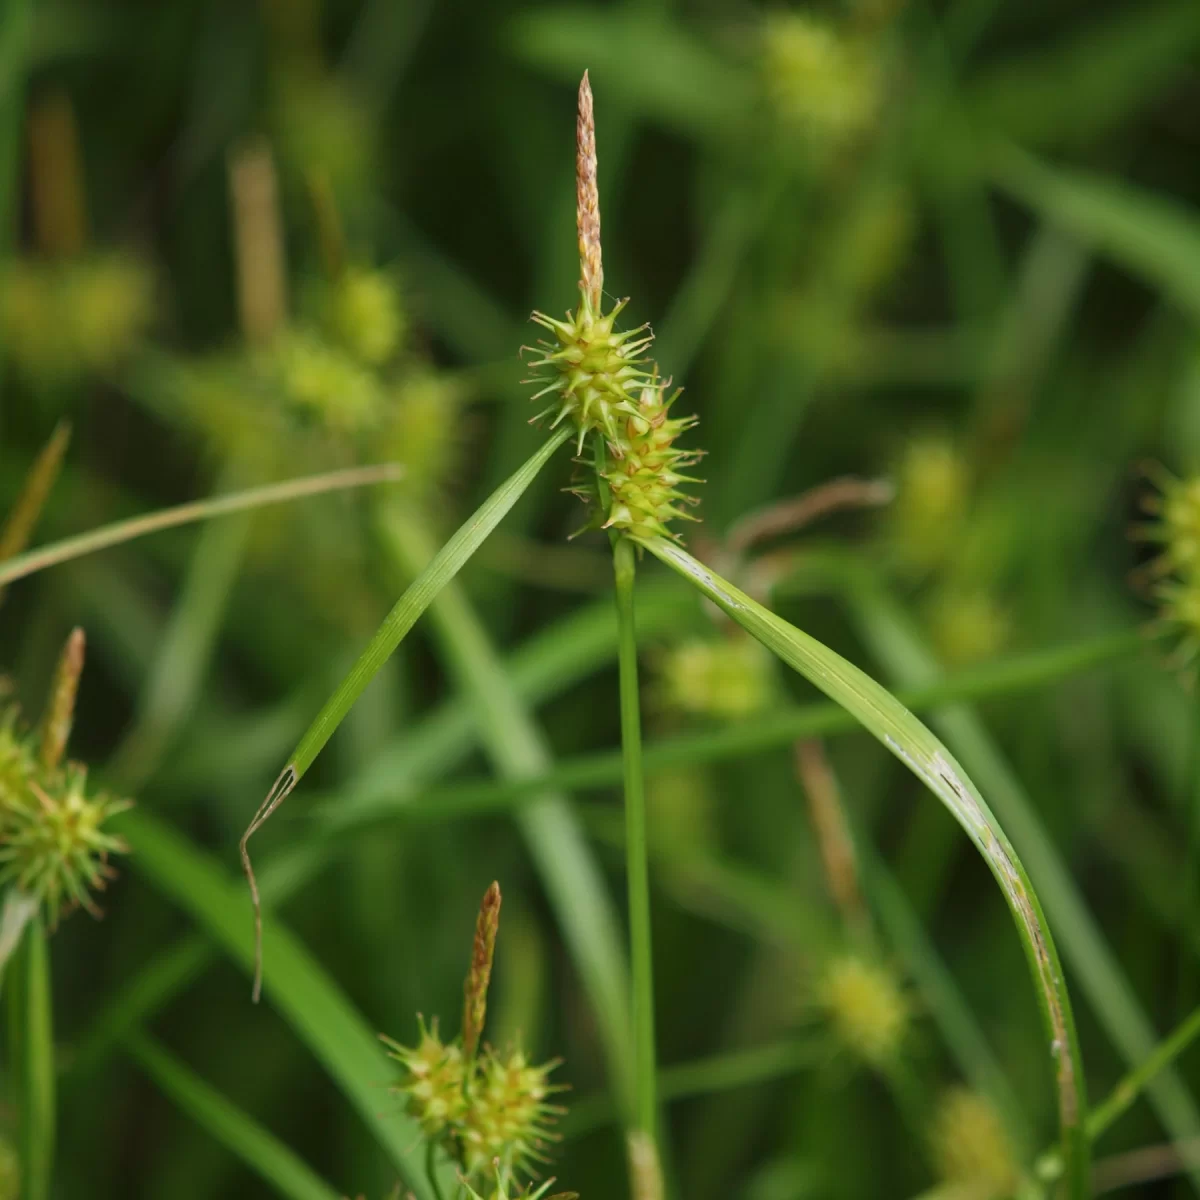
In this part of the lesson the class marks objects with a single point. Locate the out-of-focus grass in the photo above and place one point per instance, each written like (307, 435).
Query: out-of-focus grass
(961, 235)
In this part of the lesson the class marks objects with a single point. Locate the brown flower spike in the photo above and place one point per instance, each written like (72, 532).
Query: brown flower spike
(475, 988)
(587, 198)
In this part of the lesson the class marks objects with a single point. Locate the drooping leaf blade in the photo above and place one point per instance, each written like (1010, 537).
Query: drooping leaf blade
(910, 741)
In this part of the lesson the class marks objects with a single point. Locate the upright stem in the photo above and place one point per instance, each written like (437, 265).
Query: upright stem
(636, 860)
(31, 1060)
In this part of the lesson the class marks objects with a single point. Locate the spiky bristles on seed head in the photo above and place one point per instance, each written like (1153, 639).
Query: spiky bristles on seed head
(509, 1113)
(434, 1080)
(600, 379)
(52, 840)
(503, 1188)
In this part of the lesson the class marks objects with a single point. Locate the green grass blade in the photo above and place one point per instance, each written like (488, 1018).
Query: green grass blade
(186, 514)
(261, 1151)
(441, 569)
(1144, 233)
(294, 983)
(767, 732)
(552, 832)
(31, 1059)
(895, 642)
(885, 717)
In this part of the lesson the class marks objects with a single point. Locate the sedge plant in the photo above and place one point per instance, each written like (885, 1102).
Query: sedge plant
(615, 407)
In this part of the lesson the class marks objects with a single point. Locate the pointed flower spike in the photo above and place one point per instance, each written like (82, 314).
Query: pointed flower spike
(479, 976)
(587, 200)
(60, 708)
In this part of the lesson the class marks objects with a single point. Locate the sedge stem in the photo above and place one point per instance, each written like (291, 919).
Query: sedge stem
(636, 857)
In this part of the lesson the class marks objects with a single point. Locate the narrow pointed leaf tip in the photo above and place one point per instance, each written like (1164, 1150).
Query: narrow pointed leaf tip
(443, 567)
(910, 741)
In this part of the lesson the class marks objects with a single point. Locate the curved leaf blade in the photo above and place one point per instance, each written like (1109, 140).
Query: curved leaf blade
(892, 724)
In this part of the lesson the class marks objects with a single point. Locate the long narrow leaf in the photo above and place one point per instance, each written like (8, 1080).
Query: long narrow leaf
(518, 749)
(187, 514)
(268, 1157)
(295, 984)
(445, 565)
(885, 717)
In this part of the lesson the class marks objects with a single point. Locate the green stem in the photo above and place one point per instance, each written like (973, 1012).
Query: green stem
(31, 1055)
(1128, 1090)
(636, 855)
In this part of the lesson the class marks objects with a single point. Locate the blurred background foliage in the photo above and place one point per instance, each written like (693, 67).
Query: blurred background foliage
(948, 249)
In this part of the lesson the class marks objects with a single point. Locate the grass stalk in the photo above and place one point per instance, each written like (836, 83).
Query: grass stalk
(31, 1059)
(637, 864)
(187, 514)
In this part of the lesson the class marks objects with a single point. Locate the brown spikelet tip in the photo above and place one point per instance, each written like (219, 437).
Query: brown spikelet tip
(587, 199)
(482, 952)
(60, 710)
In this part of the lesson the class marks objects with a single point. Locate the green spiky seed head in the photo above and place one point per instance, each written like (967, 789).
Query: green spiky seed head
(52, 840)
(363, 313)
(434, 1081)
(508, 1114)
(1175, 527)
(591, 369)
(866, 1006)
(971, 1148)
(504, 1189)
(644, 468)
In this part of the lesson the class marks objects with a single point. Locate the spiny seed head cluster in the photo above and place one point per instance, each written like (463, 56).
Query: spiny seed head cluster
(1174, 573)
(866, 1006)
(53, 846)
(487, 1109)
(600, 379)
(434, 1078)
(971, 1149)
(495, 1106)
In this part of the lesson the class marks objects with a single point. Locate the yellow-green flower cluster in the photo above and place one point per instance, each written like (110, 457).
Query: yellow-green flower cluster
(495, 1107)
(63, 319)
(602, 383)
(502, 1189)
(725, 678)
(53, 846)
(866, 1007)
(825, 84)
(971, 1149)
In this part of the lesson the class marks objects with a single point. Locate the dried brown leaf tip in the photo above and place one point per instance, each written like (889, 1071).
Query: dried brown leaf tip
(587, 199)
(479, 976)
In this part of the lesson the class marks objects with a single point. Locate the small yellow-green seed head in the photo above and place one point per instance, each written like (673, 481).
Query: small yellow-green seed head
(823, 84)
(644, 468)
(591, 370)
(509, 1113)
(53, 845)
(932, 490)
(433, 1081)
(323, 384)
(968, 625)
(971, 1149)
(726, 678)
(867, 1008)
(363, 314)
(425, 431)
